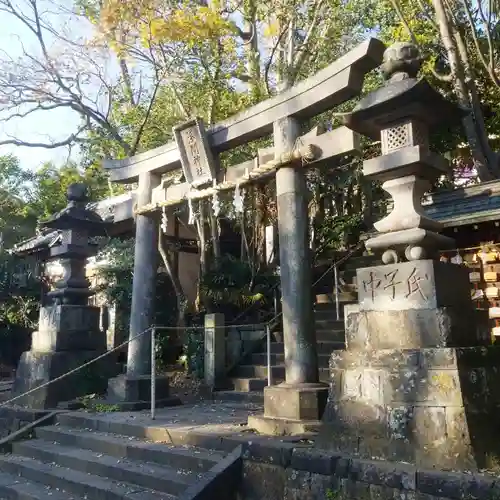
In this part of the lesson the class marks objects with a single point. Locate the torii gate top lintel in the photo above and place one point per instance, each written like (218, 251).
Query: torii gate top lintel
(338, 82)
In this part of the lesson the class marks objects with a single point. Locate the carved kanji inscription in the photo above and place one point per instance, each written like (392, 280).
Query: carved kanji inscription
(396, 286)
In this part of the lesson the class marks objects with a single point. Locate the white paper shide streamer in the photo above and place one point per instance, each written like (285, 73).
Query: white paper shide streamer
(164, 220)
(239, 199)
(191, 219)
(216, 203)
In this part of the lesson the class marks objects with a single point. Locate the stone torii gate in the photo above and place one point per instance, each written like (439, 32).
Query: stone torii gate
(301, 397)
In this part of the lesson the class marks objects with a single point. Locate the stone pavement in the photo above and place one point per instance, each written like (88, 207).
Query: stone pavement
(206, 417)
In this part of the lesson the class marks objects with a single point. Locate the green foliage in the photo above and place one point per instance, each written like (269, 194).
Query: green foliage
(332, 495)
(194, 350)
(89, 404)
(335, 232)
(232, 286)
(50, 182)
(116, 276)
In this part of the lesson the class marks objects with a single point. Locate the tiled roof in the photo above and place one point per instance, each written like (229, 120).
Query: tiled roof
(466, 205)
(113, 208)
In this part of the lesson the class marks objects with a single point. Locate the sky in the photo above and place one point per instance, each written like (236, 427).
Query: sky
(47, 126)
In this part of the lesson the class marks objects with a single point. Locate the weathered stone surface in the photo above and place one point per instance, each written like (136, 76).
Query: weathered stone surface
(277, 426)
(37, 368)
(414, 328)
(303, 485)
(295, 402)
(68, 327)
(391, 475)
(426, 358)
(319, 462)
(422, 284)
(269, 452)
(124, 388)
(454, 486)
(215, 350)
(384, 493)
(262, 481)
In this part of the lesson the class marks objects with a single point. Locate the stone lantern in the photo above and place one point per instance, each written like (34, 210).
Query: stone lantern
(77, 224)
(68, 332)
(401, 115)
(418, 381)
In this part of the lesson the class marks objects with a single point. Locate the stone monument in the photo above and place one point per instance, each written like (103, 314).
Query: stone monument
(418, 381)
(68, 332)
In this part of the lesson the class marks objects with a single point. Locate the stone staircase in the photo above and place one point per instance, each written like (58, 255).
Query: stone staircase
(70, 460)
(249, 378)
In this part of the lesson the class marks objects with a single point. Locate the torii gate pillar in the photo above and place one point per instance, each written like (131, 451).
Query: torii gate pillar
(133, 390)
(298, 403)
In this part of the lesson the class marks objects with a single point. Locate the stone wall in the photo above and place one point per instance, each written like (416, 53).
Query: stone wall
(13, 419)
(288, 472)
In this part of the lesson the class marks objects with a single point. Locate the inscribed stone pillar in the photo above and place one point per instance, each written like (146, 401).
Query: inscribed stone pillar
(144, 284)
(215, 350)
(296, 405)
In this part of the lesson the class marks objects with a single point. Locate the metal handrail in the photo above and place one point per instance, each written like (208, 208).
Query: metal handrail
(336, 276)
(154, 328)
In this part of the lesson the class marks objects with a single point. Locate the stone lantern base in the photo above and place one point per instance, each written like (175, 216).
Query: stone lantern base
(68, 337)
(134, 392)
(419, 380)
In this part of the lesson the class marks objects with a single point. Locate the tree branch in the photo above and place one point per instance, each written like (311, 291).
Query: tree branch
(302, 53)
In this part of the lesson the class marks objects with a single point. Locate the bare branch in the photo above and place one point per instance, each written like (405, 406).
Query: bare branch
(71, 139)
(302, 53)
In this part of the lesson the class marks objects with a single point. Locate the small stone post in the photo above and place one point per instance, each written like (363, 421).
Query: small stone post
(215, 350)
(418, 381)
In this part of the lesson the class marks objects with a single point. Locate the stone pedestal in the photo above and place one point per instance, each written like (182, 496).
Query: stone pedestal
(134, 393)
(68, 337)
(419, 380)
(291, 409)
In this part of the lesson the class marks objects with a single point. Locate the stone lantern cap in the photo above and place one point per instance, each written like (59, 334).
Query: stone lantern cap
(76, 216)
(403, 97)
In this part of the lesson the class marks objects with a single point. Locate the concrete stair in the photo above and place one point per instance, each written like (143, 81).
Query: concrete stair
(249, 378)
(67, 461)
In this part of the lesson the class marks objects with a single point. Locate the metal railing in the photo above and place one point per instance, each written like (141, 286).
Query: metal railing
(336, 280)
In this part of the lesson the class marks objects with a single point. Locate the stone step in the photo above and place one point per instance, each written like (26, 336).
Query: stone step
(85, 485)
(131, 448)
(329, 318)
(19, 488)
(243, 397)
(241, 384)
(277, 359)
(256, 385)
(162, 433)
(325, 330)
(329, 324)
(259, 371)
(325, 335)
(331, 307)
(142, 474)
(324, 347)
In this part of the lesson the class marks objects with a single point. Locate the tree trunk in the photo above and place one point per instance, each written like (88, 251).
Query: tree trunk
(477, 111)
(459, 82)
(176, 283)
